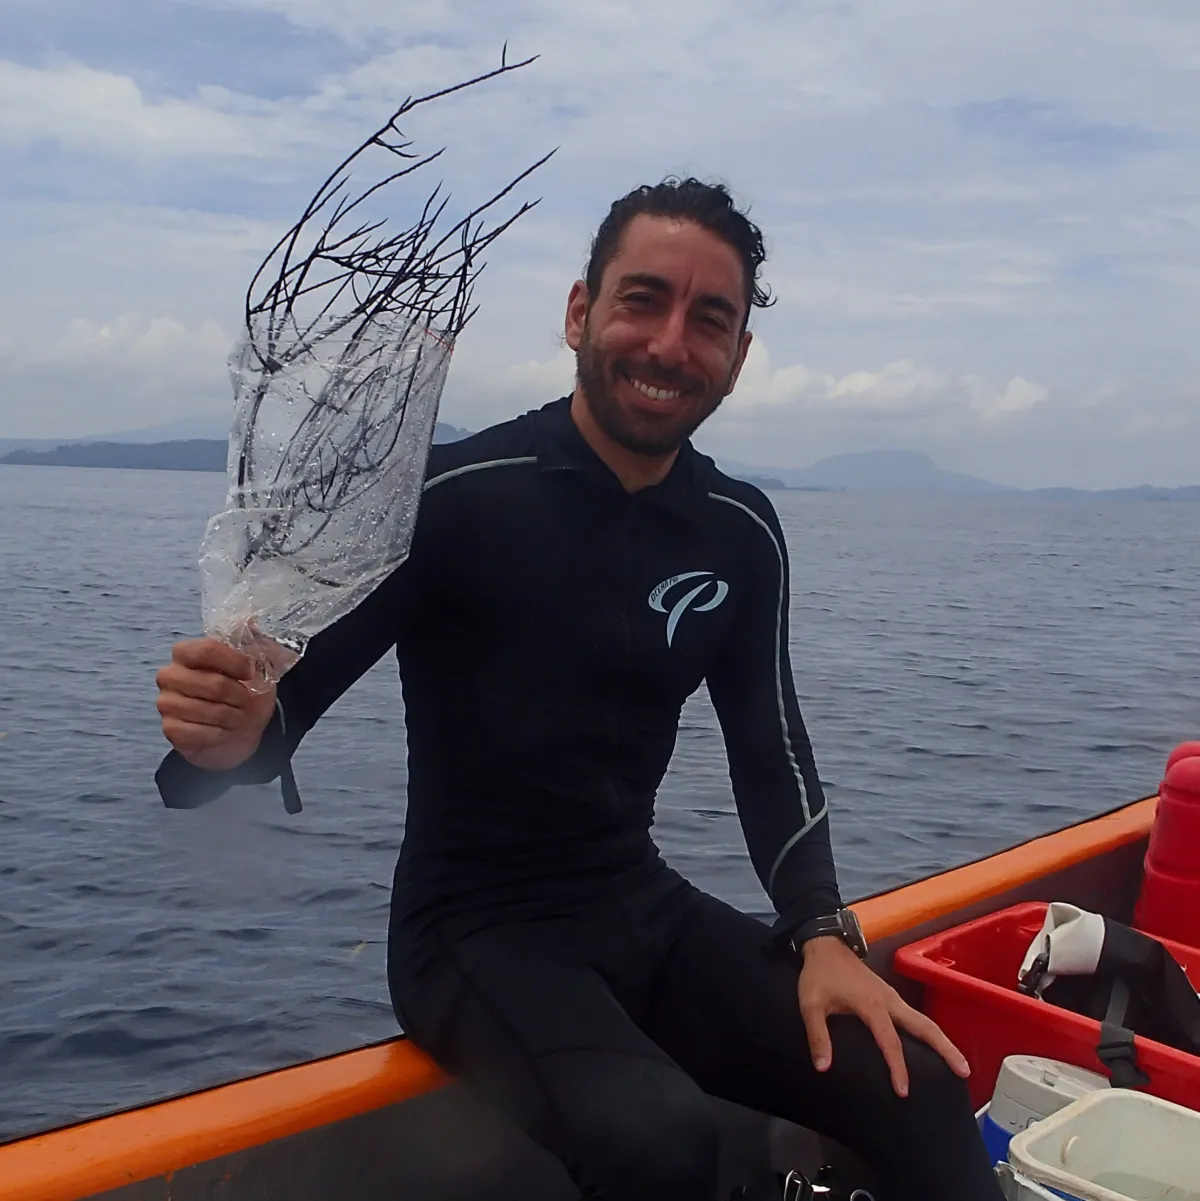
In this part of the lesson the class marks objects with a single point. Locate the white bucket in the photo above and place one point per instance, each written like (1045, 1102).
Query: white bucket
(1016, 1187)
(1114, 1145)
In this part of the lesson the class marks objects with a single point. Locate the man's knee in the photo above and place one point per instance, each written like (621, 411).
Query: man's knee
(659, 1144)
(931, 1079)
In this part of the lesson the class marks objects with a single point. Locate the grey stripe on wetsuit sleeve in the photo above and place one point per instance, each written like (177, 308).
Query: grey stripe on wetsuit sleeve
(810, 819)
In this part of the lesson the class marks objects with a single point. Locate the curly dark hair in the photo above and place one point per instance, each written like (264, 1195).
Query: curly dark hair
(708, 205)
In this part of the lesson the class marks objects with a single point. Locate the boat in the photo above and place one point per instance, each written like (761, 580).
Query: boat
(383, 1122)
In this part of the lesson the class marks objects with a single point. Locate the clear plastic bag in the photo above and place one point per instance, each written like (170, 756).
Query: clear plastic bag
(323, 494)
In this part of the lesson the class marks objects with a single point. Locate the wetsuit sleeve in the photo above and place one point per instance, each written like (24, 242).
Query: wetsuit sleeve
(778, 793)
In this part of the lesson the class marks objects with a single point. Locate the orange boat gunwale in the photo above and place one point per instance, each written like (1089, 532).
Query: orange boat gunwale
(905, 908)
(106, 1153)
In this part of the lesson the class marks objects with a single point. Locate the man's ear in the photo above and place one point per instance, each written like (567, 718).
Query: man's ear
(577, 308)
(739, 362)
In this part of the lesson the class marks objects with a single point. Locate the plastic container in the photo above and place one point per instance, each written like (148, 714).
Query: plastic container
(1169, 903)
(1016, 1187)
(1114, 1145)
(1028, 1089)
(970, 974)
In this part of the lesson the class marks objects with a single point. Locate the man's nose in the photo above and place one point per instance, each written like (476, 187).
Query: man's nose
(668, 345)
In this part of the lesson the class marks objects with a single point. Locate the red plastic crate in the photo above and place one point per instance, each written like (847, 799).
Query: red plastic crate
(970, 975)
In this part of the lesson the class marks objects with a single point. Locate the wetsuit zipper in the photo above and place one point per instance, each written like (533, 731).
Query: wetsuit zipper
(625, 617)
(616, 701)
(626, 588)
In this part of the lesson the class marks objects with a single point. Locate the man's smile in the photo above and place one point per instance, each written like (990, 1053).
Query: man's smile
(657, 396)
(652, 392)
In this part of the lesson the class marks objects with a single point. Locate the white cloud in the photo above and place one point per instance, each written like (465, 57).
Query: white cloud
(478, 394)
(1018, 396)
(85, 109)
(899, 387)
(899, 390)
(156, 344)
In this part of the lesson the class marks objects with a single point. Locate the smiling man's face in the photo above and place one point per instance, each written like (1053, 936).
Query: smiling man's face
(662, 344)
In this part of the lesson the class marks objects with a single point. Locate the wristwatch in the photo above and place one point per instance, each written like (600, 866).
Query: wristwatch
(841, 924)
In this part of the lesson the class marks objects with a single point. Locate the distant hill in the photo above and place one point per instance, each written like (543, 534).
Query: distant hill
(190, 454)
(202, 427)
(768, 483)
(8, 445)
(892, 471)
(195, 454)
(1144, 492)
(872, 471)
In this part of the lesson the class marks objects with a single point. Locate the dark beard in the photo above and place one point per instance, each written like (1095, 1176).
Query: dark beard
(608, 415)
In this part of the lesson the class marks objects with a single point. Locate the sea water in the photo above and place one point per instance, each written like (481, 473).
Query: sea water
(972, 671)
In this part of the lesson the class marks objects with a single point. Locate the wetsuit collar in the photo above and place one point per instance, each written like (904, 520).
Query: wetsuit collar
(561, 446)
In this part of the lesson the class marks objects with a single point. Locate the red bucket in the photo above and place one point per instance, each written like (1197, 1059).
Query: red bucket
(1169, 902)
(1185, 750)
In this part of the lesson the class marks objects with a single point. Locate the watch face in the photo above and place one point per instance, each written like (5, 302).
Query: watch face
(853, 931)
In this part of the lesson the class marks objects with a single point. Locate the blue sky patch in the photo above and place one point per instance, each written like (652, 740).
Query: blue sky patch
(171, 48)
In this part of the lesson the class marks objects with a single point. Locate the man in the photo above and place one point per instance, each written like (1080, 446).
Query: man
(575, 575)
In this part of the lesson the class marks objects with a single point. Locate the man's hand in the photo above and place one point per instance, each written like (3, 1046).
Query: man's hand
(208, 714)
(835, 980)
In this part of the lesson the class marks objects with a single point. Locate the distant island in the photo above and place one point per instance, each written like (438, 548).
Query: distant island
(872, 471)
(190, 454)
(195, 454)
(193, 444)
(768, 483)
(909, 471)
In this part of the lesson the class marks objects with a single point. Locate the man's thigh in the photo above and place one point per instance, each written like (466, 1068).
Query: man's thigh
(729, 1015)
(502, 999)
(518, 1014)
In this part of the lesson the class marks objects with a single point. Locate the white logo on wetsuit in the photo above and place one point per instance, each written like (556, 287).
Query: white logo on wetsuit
(684, 603)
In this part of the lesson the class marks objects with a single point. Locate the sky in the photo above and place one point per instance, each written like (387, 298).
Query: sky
(983, 221)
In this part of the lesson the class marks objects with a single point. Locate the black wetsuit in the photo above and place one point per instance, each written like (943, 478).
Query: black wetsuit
(549, 627)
